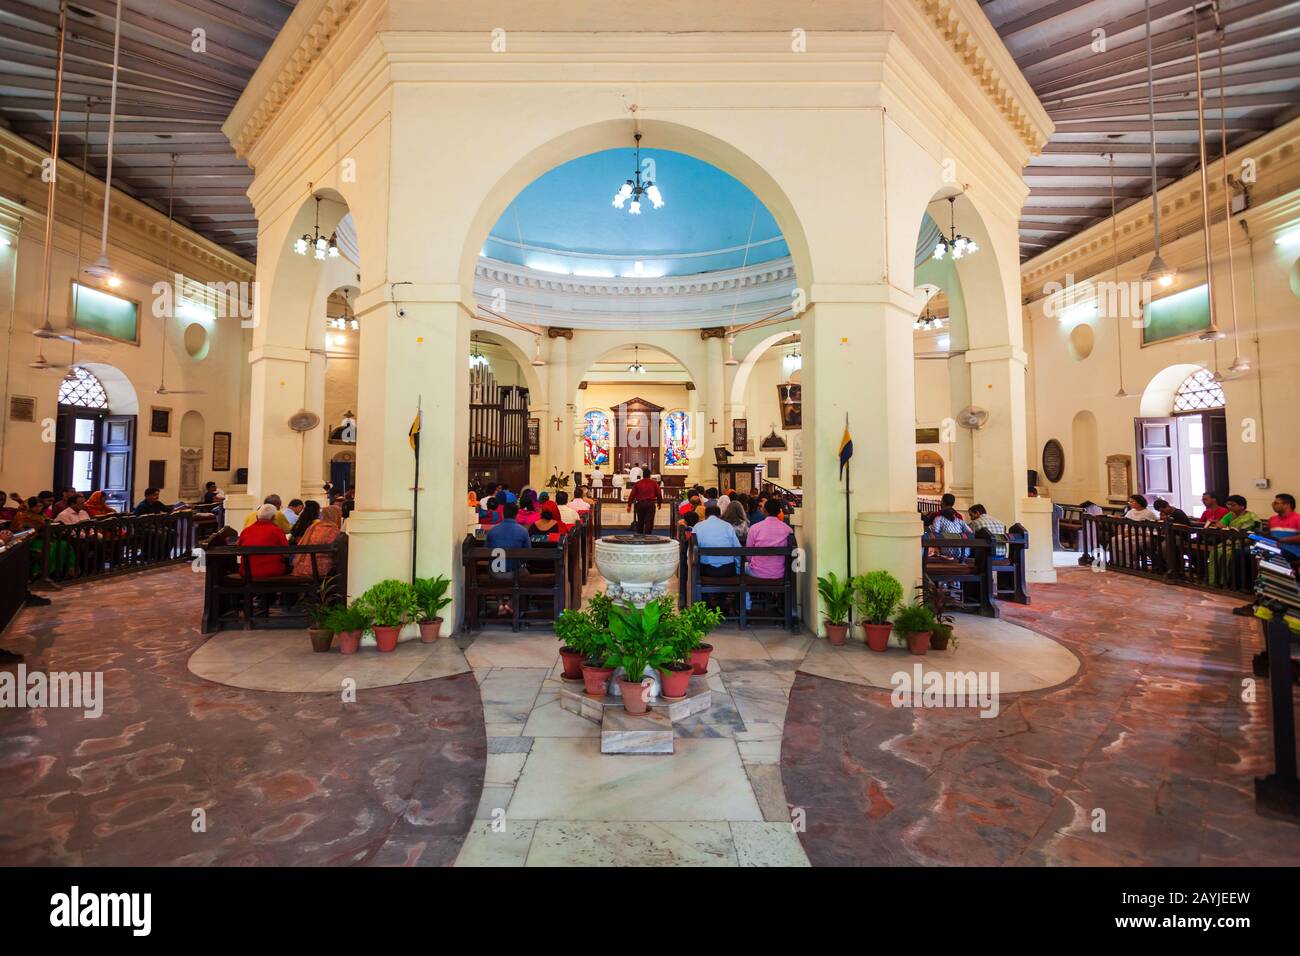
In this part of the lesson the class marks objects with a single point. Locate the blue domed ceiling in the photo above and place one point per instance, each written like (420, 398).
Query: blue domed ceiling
(568, 225)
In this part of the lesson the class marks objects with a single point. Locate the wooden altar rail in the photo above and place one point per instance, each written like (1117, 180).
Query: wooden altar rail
(1212, 559)
(118, 544)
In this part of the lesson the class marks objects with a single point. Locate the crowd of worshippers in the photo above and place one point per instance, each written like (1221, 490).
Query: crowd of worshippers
(727, 519)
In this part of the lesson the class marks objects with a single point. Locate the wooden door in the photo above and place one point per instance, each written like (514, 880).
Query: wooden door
(1156, 440)
(636, 436)
(117, 461)
(1215, 436)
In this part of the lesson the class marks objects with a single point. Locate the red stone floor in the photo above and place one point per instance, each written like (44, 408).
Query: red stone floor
(1152, 731)
(283, 778)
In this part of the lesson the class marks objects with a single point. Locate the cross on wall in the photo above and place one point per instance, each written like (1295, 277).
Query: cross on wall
(713, 424)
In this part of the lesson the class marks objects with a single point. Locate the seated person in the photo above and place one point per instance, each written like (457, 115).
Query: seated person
(713, 532)
(7, 513)
(150, 505)
(503, 494)
(580, 503)
(949, 522)
(688, 521)
(1214, 510)
(489, 513)
(292, 510)
(1170, 513)
(771, 532)
(212, 495)
(548, 527)
(264, 532)
(734, 515)
(981, 519)
(1284, 525)
(325, 529)
(949, 500)
(281, 521)
(74, 513)
(97, 506)
(508, 534)
(1239, 516)
(758, 510)
(1139, 510)
(527, 512)
(567, 514)
(691, 503)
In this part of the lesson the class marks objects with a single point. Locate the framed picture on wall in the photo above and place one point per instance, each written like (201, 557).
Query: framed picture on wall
(789, 397)
(221, 451)
(773, 468)
(160, 421)
(534, 436)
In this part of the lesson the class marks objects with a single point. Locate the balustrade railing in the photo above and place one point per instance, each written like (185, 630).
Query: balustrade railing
(1216, 559)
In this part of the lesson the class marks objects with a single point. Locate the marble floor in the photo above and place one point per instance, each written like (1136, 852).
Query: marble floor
(1136, 724)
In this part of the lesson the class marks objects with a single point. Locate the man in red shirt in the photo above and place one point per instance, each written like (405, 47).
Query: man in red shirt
(1284, 525)
(264, 533)
(645, 497)
(1214, 509)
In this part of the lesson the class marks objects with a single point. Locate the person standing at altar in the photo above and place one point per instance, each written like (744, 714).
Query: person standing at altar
(643, 500)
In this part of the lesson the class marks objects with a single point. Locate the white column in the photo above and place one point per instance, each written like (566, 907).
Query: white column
(714, 408)
(557, 391)
(313, 442)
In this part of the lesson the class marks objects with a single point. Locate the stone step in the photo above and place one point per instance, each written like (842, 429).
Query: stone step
(624, 733)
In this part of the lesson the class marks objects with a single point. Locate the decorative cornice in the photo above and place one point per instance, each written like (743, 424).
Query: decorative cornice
(960, 31)
(312, 39)
(704, 283)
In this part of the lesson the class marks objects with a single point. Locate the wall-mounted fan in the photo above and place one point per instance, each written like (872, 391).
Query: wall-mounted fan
(303, 420)
(972, 417)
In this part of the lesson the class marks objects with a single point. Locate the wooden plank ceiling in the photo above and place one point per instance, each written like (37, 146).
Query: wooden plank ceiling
(1098, 98)
(173, 101)
(170, 100)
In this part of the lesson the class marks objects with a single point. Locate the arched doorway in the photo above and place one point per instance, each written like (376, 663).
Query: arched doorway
(95, 434)
(1181, 437)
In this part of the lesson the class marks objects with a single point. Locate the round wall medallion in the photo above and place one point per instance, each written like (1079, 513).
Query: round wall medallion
(1053, 460)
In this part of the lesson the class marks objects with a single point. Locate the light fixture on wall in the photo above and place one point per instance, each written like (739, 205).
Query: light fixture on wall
(636, 368)
(632, 191)
(1157, 271)
(927, 322)
(538, 361)
(476, 357)
(320, 246)
(954, 245)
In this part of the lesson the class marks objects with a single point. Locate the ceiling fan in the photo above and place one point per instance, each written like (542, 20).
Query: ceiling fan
(42, 364)
(162, 388)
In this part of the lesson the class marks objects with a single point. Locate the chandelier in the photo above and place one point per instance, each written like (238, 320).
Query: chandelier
(319, 244)
(792, 361)
(634, 189)
(636, 368)
(347, 320)
(927, 321)
(476, 358)
(954, 246)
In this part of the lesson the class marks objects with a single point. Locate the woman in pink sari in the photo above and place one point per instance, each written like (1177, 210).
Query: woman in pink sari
(325, 529)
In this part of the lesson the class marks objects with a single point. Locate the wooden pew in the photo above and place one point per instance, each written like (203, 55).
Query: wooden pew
(538, 588)
(741, 585)
(972, 574)
(231, 594)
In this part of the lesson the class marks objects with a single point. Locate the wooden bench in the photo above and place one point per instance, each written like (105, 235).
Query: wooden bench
(743, 585)
(112, 545)
(231, 594)
(1010, 582)
(975, 575)
(539, 587)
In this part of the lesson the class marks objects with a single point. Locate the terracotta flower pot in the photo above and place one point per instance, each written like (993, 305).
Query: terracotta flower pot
(918, 643)
(878, 635)
(596, 679)
(349, 641)
(320, 639)
(675, 679)
(634, 701)
(939, 641)
(572, 663)
(430, 630)
(700, 658)
(386, 637)
(835, 633)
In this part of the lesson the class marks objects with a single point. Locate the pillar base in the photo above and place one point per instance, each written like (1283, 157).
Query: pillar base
(379, 548)
(238, 508)
(1036, 516)
(313, 489)
(890, 541)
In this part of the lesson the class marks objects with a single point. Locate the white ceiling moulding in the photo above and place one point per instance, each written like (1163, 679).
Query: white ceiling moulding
(705, 300)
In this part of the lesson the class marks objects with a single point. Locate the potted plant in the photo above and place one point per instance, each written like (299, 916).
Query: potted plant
(319, 605)
(390, 604)
(685, 633)
(558, 481)
(347, 624)
(936, 599)
(586, 633)
(916, 623)
(876, 594)
(639, 643)
(431, 595)
(837, 599)
(579, 641)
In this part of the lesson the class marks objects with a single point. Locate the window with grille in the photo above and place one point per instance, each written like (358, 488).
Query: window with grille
(83, 390)
(1199, 392)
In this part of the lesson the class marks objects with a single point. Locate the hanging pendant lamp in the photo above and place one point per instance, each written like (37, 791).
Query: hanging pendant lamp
(1114, 248)
(1157, 272)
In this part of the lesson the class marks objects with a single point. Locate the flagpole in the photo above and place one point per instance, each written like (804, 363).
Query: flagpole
(848, 523)
(415, 491)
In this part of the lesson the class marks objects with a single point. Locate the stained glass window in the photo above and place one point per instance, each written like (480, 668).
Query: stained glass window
(677, 436)
(1198, 392)
(82, 389)
(595, 439)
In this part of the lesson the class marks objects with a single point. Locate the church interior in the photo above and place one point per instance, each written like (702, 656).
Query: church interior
(759, 434)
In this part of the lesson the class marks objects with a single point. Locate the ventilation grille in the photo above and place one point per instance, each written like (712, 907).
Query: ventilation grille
(22, 408)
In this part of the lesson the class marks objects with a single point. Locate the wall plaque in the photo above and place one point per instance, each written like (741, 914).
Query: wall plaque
(1053, 460)
(221, 451)
(534, 436)
(1119, 477)
(739, 434)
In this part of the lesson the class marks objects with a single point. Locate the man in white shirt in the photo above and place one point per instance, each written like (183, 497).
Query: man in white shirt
(580, 504)
(292, 510)
(75, 512)
(567, 514)
(597, 478)
(636, 474)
